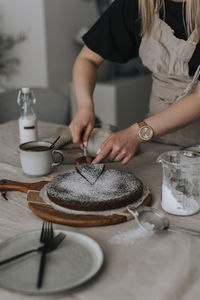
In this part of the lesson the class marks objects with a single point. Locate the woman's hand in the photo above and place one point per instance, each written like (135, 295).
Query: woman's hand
(83, 123)
(120, 146)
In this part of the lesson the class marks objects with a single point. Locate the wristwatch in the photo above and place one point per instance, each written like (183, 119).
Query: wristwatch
(145, 131)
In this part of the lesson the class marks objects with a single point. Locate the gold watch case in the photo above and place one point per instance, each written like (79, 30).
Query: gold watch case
(145, 131)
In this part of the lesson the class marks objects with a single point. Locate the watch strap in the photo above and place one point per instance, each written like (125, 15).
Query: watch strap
(141, 124)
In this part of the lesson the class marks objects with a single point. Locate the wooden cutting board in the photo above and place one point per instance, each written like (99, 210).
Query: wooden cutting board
(46, 212)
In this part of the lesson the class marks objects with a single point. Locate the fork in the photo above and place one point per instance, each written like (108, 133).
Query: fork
(45, 237)
(52, 245)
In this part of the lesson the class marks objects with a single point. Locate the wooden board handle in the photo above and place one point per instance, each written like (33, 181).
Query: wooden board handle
(9, 185)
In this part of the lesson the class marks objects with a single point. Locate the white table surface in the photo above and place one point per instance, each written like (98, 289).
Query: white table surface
(165, 267)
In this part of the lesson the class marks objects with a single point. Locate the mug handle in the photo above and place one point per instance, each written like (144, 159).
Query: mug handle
(55, 164)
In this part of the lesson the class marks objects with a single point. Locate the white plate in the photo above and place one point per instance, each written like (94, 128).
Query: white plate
(77, 259)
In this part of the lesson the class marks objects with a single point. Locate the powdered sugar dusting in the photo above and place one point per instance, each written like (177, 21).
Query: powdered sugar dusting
(122, 210)
(130, 236)
(91, 172)
(112, 184)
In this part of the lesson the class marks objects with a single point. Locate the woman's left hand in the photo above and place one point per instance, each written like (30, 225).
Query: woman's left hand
(120, 146)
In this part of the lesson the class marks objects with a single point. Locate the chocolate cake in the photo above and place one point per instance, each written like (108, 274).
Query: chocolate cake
(112, 190)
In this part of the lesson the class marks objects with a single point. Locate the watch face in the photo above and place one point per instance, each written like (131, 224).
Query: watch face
(145, 133)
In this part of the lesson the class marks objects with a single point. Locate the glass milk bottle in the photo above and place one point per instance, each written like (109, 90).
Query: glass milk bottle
(27, 120)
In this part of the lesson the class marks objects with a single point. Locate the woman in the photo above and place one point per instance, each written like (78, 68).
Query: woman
(166, 35)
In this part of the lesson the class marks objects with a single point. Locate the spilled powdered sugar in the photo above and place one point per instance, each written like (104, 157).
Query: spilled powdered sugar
(72, 185)
(131, 236)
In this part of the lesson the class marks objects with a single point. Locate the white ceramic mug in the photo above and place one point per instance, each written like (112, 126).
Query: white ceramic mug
(37, 158)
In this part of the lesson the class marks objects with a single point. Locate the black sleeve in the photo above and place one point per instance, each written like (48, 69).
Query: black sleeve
(114, 35)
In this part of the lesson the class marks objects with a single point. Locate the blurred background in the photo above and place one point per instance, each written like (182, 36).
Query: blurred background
(39, 42)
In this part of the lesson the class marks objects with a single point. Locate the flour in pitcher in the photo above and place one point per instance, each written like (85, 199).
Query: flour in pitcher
(177, 203)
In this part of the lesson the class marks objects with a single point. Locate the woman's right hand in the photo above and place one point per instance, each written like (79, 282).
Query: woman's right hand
(83, 123)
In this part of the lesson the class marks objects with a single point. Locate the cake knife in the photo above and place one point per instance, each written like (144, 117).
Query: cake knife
(85, 159)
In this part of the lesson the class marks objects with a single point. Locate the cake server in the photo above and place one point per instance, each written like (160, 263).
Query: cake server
(85, 159)
(84, 150)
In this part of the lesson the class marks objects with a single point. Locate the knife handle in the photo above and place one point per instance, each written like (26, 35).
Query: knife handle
(41, 268)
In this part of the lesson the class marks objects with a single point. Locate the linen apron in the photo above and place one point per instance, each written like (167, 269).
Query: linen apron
(167, 57)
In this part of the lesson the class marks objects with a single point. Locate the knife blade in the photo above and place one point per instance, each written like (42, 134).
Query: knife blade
(57, 239)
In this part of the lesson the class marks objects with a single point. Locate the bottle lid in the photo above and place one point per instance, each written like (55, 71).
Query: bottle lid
(25, 90)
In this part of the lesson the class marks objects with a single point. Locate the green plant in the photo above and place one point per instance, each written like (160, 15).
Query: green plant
(8, 64)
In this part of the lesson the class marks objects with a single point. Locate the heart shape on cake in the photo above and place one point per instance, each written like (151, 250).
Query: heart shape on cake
(91, 172)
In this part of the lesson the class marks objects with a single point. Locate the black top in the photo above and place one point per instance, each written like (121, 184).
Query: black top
(116, 35)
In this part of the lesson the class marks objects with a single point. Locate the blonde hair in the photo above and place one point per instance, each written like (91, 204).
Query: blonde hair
(148, 8)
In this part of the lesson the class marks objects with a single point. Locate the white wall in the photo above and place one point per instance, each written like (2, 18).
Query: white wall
(26, 16)
(64, 18)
